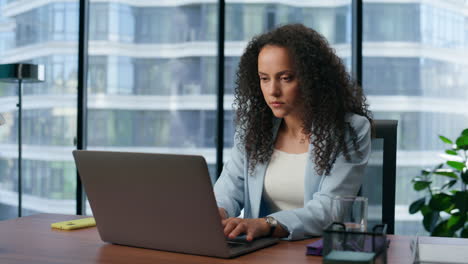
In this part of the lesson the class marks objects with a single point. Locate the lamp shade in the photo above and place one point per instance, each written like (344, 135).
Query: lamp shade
(27, 73)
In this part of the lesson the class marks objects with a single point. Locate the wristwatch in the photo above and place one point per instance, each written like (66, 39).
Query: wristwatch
(273, 224)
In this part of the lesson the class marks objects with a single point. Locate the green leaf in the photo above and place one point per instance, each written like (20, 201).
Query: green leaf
(464, 232)
(450, 209)
(426, 172)
(421, 185)
(456, 222)
(442, 230)
(465, 132)
(440, 202)
(446, 172)
(456, 165)
(426, 210)
(451, 152)
(445, 140)
(461, 201)
(418, 178)
(464, 175)
(430, 219)
(448, 184)
(462, 142)
(416, 205)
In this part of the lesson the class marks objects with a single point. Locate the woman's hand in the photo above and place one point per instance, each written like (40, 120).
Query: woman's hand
(253, 228)
(222, 213)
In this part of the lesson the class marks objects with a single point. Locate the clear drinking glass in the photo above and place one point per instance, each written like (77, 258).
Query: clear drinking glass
(351, 211)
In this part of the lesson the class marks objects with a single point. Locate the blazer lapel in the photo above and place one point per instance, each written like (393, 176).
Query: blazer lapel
(311, 178)
(256, 188)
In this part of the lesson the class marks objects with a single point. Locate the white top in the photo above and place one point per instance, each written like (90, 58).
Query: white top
(284, 180)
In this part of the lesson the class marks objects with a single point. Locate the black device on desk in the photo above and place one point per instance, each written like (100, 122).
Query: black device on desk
(157, 201)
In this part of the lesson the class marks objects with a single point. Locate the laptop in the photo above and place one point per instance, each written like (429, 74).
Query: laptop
(157, 201)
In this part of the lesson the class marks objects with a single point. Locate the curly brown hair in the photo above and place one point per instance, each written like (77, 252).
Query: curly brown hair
(327, 89)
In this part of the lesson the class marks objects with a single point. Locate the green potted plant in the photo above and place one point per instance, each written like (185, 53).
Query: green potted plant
(444, 208)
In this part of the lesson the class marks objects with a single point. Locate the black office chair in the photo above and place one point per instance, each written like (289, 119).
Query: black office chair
(380, 175)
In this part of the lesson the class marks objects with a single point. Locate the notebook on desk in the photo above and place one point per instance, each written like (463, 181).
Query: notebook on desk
(157, 201)
(442, 254)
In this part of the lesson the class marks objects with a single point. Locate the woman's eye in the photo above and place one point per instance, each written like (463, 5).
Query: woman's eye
(287, 78)
(263, 78)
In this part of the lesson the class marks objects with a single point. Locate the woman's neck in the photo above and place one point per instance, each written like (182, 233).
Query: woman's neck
(292, 127)
(290, 138)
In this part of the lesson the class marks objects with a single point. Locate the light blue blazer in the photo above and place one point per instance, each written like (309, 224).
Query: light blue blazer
(237, 189)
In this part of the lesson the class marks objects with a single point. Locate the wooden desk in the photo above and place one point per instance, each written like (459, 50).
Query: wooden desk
(31, 240)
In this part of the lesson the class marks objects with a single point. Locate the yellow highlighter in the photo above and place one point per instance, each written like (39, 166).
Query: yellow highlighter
(75, 224)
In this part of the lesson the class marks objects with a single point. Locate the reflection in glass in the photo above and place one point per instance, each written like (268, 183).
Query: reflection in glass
(42, 34)
(152, 78)
(415, 70)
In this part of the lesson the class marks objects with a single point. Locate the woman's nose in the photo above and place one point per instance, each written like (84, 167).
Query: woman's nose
(274, 88)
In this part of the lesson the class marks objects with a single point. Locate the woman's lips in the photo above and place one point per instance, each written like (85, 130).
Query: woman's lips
(277, 104)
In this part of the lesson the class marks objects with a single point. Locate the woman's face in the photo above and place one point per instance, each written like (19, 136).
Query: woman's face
(278, 81)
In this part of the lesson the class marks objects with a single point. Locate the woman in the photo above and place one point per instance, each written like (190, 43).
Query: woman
(302, 137)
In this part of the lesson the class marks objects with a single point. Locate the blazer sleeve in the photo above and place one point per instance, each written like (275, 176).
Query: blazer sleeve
(345, 179)
(229, 188)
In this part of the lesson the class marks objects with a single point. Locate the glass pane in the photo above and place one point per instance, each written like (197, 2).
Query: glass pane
(152, 78)
(415, 70)
(245, 20)
(373, 180)
(45, 34)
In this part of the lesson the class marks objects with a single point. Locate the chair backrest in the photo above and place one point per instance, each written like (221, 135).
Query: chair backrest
(380, 178)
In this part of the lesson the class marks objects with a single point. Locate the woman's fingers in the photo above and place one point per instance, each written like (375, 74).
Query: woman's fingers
(234, 227)
(250, 234)
(229, 225)
(254, 229)
(241, 228)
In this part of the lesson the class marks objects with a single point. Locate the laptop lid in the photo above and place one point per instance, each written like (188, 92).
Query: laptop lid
(157, 201)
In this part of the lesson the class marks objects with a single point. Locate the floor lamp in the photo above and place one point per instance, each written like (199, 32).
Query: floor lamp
(21, 73)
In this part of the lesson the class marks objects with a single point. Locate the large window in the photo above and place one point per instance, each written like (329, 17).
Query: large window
(42, 34)
(392, 76)
(152, 78)
(415, 70)
(393, 22)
